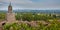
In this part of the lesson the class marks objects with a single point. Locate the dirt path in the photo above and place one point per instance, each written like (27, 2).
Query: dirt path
(1, 22)
(1, 28)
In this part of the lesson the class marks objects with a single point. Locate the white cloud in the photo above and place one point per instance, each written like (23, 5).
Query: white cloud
(42, 4)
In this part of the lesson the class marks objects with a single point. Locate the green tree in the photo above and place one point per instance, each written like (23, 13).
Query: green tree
(27, 17)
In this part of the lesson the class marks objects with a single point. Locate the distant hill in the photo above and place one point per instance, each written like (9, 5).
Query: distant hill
(35, 11)
(39, 11)
(3, 11)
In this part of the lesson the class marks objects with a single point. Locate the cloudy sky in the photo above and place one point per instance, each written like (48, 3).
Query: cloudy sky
(30, 4)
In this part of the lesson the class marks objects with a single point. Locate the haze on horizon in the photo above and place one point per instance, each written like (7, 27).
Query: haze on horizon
(30, 4)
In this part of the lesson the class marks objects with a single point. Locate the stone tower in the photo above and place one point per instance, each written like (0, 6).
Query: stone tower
(10, 8)
(10, 14)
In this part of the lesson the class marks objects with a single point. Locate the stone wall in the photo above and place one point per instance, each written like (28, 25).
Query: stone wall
(10, 17)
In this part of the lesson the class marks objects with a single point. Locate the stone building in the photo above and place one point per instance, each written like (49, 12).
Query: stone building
(10, 17)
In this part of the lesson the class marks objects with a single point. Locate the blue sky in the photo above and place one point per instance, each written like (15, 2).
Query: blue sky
(30, 4)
